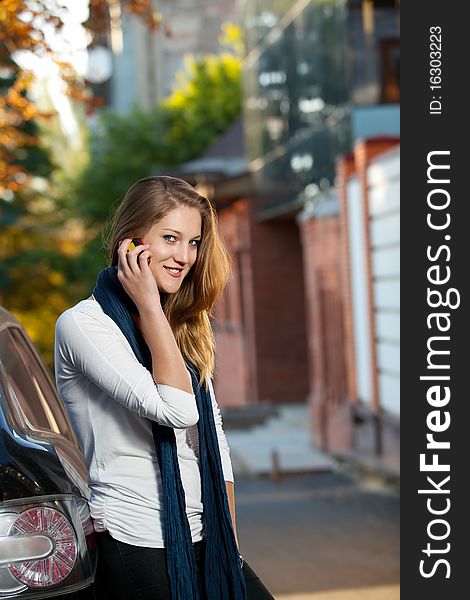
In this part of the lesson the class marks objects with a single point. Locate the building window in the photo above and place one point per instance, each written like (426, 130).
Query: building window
(373, 53)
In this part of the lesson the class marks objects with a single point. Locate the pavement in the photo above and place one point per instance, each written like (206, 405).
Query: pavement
(309, 529)
(281, 444)
(387, 592)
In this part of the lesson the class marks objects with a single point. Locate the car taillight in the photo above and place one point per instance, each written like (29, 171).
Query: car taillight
(46, 546)
(60, 562)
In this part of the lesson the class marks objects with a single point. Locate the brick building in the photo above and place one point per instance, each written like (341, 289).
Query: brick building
(311, 312)
(369, 181)
(304, 318)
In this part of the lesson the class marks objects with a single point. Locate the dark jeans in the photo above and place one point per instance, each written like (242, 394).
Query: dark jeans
(127, 572)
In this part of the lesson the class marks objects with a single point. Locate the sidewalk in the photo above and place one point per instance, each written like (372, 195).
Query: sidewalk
(282, 444)
(388, 592)
(311, 531)
(321, 536)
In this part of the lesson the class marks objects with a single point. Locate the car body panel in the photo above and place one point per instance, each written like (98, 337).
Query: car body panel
(41, 464)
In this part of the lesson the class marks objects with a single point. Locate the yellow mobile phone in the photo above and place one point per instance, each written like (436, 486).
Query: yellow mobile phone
(137, 242)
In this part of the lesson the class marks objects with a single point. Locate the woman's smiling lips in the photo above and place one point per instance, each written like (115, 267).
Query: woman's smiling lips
(173, 271)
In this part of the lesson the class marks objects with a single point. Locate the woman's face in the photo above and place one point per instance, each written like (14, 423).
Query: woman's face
(174, 245)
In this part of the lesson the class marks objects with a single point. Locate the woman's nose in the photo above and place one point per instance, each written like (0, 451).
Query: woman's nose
(181, 253)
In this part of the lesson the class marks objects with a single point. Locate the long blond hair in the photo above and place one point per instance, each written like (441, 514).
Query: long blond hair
(189, 309)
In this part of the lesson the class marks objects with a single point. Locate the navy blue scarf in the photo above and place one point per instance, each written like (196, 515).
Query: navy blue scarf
(223, 574)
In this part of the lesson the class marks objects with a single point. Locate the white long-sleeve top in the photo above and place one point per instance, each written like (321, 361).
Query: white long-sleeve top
(111, 400)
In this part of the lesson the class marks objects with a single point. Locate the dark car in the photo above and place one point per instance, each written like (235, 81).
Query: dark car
(47, 543)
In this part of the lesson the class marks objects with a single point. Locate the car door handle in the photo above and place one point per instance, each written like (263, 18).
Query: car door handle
(21, 548)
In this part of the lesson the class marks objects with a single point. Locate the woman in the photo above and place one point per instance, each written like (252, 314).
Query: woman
(133, 367)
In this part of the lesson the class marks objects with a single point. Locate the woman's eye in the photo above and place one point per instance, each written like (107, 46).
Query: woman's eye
(169, 238)
(195, 243)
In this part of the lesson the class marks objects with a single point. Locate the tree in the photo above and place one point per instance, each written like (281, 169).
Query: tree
(33, 254)
(23, 25)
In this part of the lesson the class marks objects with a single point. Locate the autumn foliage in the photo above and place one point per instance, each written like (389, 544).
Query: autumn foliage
(99, 13)
(22, 27)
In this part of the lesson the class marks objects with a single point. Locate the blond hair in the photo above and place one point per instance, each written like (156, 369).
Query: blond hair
(189, 309)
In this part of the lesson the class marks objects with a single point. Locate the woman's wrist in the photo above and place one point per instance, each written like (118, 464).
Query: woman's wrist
(151, 308)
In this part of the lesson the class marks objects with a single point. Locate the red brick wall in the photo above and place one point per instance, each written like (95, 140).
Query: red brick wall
(279, 308)
(260, 320)
(323, 288)
(320, 247)
(344, 169)
(233, 382)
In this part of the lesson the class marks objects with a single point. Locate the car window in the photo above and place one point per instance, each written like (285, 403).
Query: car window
(29, 387)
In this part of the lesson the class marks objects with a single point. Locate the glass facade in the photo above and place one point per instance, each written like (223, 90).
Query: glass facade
(306, 62)
(373, 51)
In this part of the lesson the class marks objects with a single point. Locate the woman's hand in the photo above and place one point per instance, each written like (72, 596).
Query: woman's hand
(135, 275)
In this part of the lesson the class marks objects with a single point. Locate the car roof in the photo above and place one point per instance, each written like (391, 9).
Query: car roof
(7, 318)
